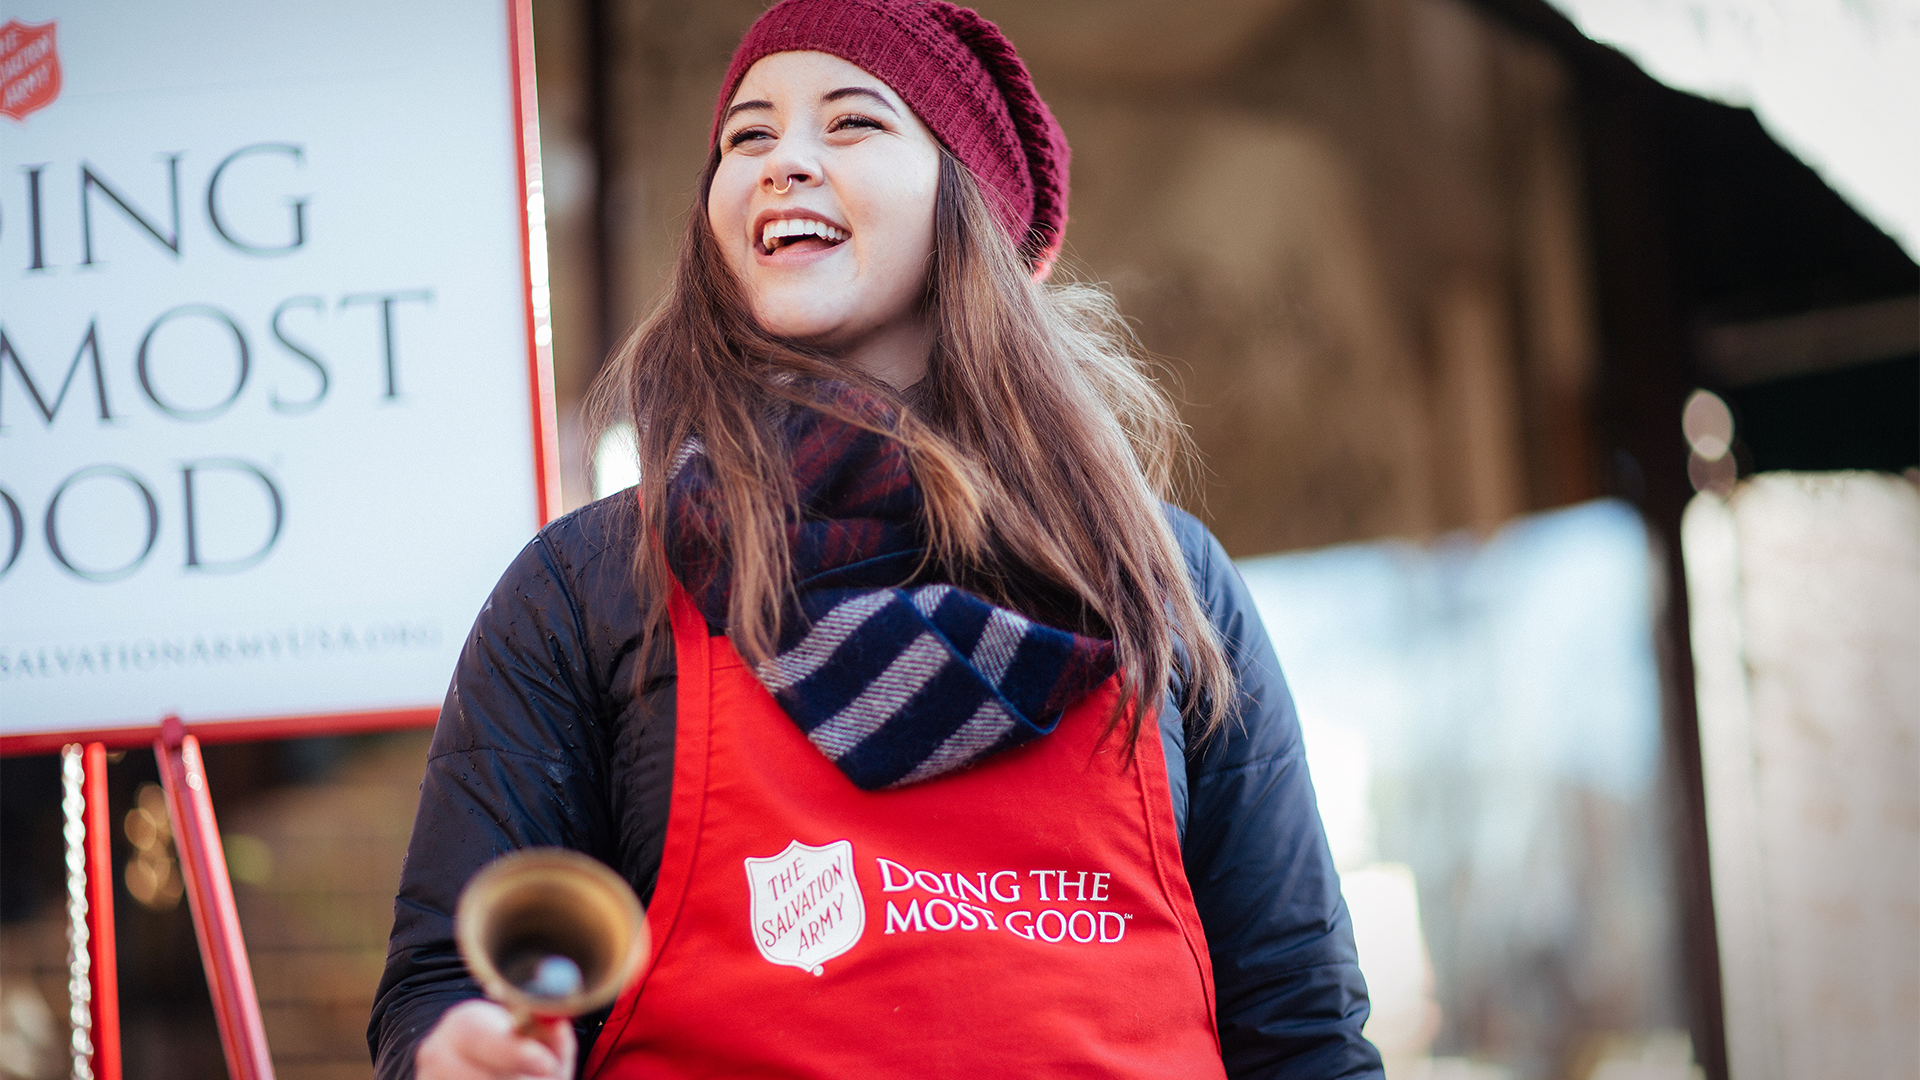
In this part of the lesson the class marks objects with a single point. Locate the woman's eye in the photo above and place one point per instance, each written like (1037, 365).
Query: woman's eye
(854, 121)
(745, 135)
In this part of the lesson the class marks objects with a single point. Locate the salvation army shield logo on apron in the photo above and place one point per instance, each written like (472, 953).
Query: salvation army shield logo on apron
(806, 906)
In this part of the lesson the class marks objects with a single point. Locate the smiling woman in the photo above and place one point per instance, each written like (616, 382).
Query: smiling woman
(822, 205)
(896, 589)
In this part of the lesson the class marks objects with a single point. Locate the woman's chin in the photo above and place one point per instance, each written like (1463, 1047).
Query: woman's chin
(816, 329)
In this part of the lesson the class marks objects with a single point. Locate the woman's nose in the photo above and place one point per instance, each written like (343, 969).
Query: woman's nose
(791, 164)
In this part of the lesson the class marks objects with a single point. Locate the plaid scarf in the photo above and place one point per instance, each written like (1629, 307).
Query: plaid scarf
(896, 681)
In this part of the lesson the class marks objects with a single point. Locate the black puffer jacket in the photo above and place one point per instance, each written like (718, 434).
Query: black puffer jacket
(545, 740)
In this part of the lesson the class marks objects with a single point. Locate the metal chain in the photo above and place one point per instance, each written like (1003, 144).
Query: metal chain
(79, 960)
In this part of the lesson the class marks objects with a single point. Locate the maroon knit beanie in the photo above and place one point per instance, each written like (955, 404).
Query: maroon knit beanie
(960, 75)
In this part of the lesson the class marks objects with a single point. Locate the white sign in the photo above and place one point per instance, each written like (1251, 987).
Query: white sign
(273, 399)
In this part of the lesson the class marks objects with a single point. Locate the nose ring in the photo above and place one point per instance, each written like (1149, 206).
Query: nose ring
(782, 190)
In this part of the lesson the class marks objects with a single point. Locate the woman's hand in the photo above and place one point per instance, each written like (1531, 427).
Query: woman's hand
(475, 1040)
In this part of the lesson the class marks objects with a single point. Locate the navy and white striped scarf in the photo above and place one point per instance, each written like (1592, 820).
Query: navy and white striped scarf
(896, 681)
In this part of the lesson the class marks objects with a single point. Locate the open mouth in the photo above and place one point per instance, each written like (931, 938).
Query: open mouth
(799, 234)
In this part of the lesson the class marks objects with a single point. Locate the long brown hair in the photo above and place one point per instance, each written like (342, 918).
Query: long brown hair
(1041, 446)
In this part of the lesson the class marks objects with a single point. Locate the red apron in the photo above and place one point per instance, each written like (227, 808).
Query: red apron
(1028, 916)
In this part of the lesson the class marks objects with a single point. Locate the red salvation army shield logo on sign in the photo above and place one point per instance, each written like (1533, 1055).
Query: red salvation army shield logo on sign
(29, 68)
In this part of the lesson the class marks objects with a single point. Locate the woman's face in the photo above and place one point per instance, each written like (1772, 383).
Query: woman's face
(823, 206)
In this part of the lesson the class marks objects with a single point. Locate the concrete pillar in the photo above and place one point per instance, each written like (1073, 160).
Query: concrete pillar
(1805, 592)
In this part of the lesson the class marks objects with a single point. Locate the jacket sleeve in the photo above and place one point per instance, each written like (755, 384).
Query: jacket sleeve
(1290, 998)
(518, 760)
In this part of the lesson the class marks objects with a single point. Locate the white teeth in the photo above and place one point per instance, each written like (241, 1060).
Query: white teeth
(781, 228)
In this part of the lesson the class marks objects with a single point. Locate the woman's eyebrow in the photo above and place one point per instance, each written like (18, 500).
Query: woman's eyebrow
(746, 105)
(859, 91)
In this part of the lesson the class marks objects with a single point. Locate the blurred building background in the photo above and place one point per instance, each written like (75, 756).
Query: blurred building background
(1434, 281)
